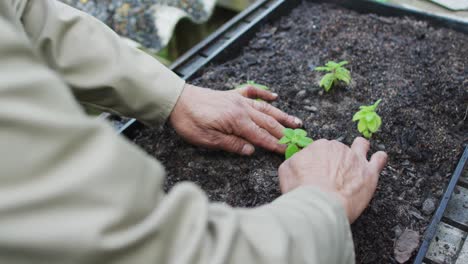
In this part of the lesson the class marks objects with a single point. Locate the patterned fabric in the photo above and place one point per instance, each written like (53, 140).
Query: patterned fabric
(149, 22)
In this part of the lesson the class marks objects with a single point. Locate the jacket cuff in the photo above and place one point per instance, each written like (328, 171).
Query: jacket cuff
(325, 215)
(167, 98)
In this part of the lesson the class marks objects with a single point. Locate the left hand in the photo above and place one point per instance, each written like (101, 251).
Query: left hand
(230, 120)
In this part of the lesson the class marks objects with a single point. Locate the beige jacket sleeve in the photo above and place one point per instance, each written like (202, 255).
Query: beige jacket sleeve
(72, 191)
(102, 70)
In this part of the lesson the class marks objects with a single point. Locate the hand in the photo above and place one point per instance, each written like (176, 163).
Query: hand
(229, 120)
(335, 168)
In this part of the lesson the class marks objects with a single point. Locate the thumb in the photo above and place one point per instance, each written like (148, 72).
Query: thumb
(236, 144)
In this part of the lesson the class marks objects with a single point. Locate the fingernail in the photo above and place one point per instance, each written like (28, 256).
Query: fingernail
(248, 149)
(275, 95)
(297, 121)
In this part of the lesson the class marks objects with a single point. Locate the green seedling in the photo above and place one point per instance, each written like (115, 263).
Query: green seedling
(296, 139)
(336, 72)
(254, 84)
(369, 120)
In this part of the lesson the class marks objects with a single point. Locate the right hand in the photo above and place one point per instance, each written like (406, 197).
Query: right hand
(335, 168)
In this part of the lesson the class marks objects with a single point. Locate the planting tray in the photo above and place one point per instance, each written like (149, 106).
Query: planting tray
(226, 43)
(228, 39)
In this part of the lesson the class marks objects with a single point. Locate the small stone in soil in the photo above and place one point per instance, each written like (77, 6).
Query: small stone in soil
(341, 138)
(398, 231)
(405, 245)
(428, 206)
(311, 108)
(301, 94)
(381, 146)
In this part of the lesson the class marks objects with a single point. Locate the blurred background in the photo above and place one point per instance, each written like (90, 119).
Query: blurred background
(168, 28)
(164, 28)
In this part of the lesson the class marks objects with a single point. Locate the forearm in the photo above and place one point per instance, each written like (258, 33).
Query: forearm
(72, 191)
(302, 226)
(102, 70)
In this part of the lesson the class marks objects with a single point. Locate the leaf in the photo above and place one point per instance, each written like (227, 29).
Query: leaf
(362, 126)
(304, 142)
(341, 63)
(379, 120)
(321, 68)
(288, 132)
(372, 125)
(370, 116)
(284, 140)
(358, 116)
(300, 132)
(374, 106)
(332, 65)
(291, 150)
(343, 74)
(367, 134)
(254, 84)
(327, 81)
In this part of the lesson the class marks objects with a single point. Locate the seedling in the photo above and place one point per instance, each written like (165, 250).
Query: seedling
(336, 72)
(254, 84)
(369, 120)
(296, 139)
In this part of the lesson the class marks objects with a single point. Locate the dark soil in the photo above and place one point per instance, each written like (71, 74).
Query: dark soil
(420, 73)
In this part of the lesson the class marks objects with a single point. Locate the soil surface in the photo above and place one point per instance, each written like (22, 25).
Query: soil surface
(417, 70)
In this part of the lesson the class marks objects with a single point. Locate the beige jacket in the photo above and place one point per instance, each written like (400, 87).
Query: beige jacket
(73, 191)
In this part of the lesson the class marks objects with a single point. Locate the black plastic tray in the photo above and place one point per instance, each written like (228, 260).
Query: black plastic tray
(225, 43)
(227, 40)
(432, 229)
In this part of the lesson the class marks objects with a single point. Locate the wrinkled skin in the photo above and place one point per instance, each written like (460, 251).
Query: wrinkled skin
(234, 122)
(230, 120)
(337, 169)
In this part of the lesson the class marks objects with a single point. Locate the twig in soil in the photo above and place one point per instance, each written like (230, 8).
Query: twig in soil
(466, 113)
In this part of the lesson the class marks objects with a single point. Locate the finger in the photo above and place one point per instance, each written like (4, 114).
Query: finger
(280, 116)
(361, 147)
(378, 161)
(268, 123)
(259, 137)
(234, 144)
(257, 93)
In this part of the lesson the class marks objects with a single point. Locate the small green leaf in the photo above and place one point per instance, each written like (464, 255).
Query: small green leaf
(367, 134)
(372, 125)
(374, 106)
(304, 142)
(379, 120)
(288, 132)
(358, 116)
(254, 84)
(291, 150)
(370, 116)
(342, 63)
(327, 81)
(343, 74)
(332, 64)
(284, 140)
(321, 68)
(300, 132)
(362, 126)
